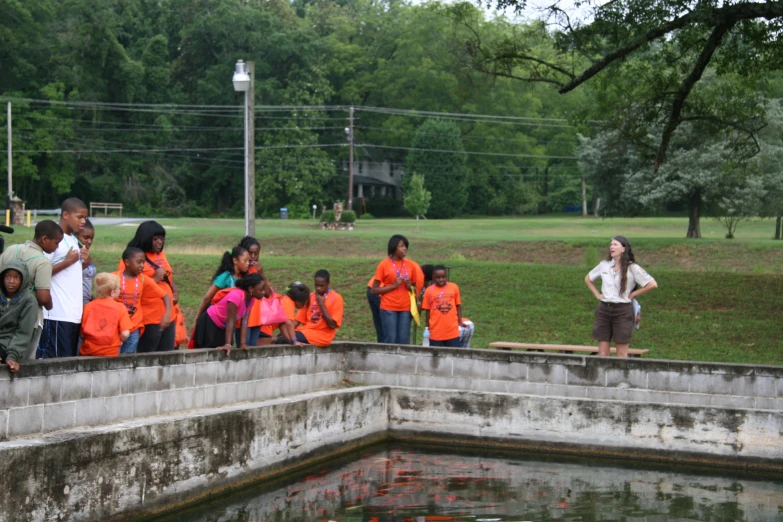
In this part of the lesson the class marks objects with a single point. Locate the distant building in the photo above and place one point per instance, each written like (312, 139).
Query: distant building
(373, 179)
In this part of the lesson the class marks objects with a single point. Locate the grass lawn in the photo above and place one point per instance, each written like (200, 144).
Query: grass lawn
(521, 279)
(570, 241)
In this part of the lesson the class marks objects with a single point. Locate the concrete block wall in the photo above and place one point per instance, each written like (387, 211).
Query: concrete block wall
(701, 435)
(113, 472)
(575, 376)
(54, 395)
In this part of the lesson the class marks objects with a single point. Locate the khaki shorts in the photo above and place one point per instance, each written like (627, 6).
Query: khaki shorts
(613, 322)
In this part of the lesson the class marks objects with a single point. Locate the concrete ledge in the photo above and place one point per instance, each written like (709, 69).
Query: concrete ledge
(142, 466)
(561, 375)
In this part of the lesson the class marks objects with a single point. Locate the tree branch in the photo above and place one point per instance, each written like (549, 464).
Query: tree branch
(622, 52)
(520, 78)
(713, 42)
(713, 17)
(517, 56)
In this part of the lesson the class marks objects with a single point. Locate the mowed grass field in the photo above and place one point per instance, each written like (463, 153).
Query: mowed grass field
(521, 279)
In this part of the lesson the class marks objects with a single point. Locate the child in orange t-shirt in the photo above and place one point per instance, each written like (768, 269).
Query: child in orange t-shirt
(136, 288)
(297, 296)
(105, 322)
(321, 319)
(444, 310)
(395, 278)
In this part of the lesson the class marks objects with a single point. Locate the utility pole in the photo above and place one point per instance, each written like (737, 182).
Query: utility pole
(10, 161)
(350, 158)
(250, 150)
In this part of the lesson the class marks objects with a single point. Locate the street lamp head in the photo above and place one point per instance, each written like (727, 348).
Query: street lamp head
(241, 78)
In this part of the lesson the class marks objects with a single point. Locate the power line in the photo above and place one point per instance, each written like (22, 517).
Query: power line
(466, 152)
(176, 129)
(467, 137)
(108, 151)
(412, 112)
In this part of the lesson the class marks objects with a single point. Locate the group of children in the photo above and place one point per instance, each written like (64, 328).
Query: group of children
(241, 306)
(49, 309)
(48, 306)
(42, 289)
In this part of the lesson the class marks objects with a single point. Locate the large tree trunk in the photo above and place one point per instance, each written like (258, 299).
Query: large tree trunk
(694, 213)
(597, 206)
(777, 226)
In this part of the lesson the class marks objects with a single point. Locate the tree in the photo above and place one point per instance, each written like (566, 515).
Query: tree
(438, 155)
(649, 56)
(417, 198)
(742, 203)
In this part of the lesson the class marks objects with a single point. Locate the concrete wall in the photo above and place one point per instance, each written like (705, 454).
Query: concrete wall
(574, 376)
(91, 438)
(54, 395)
(140, 466)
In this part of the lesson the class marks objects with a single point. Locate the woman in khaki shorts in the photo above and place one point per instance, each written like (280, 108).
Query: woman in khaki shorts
(619, 276)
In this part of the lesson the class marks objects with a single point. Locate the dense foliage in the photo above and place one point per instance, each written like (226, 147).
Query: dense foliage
(131, 101)
(114, 63)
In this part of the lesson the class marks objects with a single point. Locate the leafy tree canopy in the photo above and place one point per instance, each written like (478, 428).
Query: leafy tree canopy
(647, 60)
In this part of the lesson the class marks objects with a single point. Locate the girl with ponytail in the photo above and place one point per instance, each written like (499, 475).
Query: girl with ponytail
(215, 327)
(233, 266)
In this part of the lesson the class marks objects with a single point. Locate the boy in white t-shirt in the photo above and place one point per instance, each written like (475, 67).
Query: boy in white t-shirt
(60, 334)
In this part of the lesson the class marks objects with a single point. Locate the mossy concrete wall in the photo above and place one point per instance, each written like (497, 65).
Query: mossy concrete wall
(86, 439)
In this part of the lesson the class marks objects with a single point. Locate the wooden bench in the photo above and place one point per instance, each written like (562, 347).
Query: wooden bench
(106, 207)
(567, 348)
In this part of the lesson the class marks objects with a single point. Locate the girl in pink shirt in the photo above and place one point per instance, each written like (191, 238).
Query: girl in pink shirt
(215, 328)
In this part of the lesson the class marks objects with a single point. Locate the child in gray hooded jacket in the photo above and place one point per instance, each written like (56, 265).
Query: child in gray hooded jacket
(18, 313)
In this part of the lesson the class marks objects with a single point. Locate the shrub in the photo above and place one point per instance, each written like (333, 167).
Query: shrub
(328, 216)
(384, 206)
(366, 215)
(299, 211)
(348, 216)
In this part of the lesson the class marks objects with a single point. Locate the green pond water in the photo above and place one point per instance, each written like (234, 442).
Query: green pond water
(404, 484)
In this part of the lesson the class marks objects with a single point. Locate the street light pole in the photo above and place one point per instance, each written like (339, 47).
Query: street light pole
(10, 159)
(250, 152)
(350, 158)
(244, 80)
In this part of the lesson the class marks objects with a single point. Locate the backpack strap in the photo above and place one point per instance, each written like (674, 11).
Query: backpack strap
(154, 264)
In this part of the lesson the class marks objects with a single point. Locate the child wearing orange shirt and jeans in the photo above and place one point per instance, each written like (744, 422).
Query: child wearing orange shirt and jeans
(135, 289)
(105, 322)
(444, 310)
(320, 320)
(394, 279)
(159, 332)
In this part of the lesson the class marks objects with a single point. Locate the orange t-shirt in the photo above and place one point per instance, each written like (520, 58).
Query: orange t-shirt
(153, 308)
(442, 303)
(289, 307)
(102, 322)
(398, 300)
(314, 327)
(254, 318)
(132, 291)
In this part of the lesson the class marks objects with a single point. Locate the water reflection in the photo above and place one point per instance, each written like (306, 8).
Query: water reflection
(398, 484)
